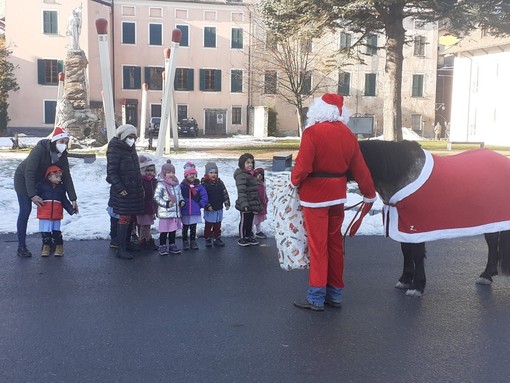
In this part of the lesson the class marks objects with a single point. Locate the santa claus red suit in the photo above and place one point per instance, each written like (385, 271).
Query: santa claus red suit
(327, 152)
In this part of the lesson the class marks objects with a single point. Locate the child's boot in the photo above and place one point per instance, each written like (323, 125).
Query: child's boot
(151, 245)
(59, 251)
(46, 248)
(208, 242)
(193, 244)
(185, 244)
(123, 236)
(59, 243)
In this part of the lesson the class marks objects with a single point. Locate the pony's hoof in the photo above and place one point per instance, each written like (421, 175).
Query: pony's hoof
(413, 293)
(403, 286)
(483, 281)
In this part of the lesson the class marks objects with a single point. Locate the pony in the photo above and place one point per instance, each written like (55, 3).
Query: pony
(396, 169)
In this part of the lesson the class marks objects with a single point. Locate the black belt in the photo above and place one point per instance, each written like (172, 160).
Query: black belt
(326, 175)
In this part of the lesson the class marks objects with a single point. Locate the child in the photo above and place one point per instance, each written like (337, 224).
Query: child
(262, 215)
(146, 220)
(217, 196)
(50, 213)
(196, 198)
(168, 198)
(247, 198)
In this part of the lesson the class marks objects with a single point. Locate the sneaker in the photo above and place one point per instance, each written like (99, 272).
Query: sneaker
(243, 242)
(46, 250)
(163, 250)
(173, 249)
(114, 244)
(208, 242)
(252, 241)
(193, 244)
(332, 303)
(185, 244)
(308, 306)
(218, 242)
(23, 252)
(260, 235)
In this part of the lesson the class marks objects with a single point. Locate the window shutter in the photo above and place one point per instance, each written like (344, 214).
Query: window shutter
(184, 35)
(138, 77)
(217, 80)
(125, 77)
(41, 75)
(202, 79)
(60, 66)
(190, 79)
(147, 76)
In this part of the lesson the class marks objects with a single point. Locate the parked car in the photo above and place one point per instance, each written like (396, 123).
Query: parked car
(185, 127)
(188, 127)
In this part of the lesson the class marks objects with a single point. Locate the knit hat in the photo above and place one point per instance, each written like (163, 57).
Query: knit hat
(329, 107)
(59, 133)
(189, 165)
(259, 171)
(190, 171)
(210, 166)
(145, 161)
(125, 130)
(167, 168)
(52, 169)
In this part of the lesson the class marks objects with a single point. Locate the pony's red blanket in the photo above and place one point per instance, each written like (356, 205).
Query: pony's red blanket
(454, 196)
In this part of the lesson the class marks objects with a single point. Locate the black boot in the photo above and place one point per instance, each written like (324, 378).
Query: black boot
(122, 236)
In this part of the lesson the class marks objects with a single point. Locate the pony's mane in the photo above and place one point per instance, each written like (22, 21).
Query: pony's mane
(389, 161)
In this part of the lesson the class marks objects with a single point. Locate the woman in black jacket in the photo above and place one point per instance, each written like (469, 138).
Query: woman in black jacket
(123, 174)
(47, 152)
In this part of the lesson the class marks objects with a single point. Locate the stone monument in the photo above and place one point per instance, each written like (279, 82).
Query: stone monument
(73, 109)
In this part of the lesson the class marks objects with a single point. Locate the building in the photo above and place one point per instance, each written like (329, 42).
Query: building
(215, 78)
(479, 107)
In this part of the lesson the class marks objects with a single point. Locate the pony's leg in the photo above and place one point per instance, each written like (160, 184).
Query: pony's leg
(493, 243)
(405, 280)
(504, 252)
(419, 281)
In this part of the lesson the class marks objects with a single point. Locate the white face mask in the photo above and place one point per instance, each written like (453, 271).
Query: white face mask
(130, 141)
(61, 147)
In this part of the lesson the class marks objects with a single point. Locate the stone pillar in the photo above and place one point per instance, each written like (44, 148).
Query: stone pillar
(75, 86)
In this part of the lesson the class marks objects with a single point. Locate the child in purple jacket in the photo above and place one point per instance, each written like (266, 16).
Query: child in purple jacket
(195, 196)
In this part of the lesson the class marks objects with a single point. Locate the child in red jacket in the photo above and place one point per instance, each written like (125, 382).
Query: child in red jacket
(50, 213)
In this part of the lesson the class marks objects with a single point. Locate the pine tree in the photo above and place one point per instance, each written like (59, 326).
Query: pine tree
(8, 83)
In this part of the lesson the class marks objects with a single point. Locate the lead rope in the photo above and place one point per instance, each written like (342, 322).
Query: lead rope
(358, 213)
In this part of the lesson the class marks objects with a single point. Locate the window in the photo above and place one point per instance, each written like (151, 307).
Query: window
(270, 81)
(344, 83)
(155, 34)
(210, 80)
(419, 45)
(48, 70)
(131, 77)
(237, 38)
(306, 45)
(236, 81)
(50, 110)
(210, 37)
(185, 35)
(182, 112)
(184, 79)
(417, 85)
(236, 115)
(50, 22)
(345, 40)
(128, 33)
(155, 110)
(153, 77)
(271, 41)
(372, 45)
(416, 122)
(306, 82)
(370, 84)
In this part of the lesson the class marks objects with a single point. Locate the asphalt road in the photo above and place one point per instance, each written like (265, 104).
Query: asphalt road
(226, 315)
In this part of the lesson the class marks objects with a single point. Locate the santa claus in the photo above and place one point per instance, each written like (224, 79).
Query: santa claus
(327, 152)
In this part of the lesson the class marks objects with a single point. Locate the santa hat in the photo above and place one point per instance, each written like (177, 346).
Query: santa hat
(52, 169)
(329, 107)
(189, 171)
(59, 133)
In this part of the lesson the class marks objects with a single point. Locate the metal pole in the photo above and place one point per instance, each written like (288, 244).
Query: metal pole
(104, 61)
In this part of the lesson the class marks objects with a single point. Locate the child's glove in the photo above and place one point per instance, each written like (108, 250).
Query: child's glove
(182, 203)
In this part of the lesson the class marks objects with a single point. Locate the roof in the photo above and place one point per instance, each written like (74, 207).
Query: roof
(475, 42)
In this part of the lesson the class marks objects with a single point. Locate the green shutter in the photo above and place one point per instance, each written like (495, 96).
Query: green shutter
(191, 84)
(41, 72)
(217, 80)
(147, 76)
(60, 66)
(138, 77)
(202, 79)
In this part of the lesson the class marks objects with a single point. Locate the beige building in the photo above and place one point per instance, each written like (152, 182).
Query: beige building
(214, 77)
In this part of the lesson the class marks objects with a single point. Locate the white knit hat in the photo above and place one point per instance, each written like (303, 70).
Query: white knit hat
(125, 130)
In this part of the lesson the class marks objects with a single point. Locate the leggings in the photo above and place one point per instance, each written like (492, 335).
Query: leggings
(192, 232)
(246, 224)
(163, 236)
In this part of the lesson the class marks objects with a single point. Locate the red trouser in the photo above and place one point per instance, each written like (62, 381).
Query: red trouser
(325, 244)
